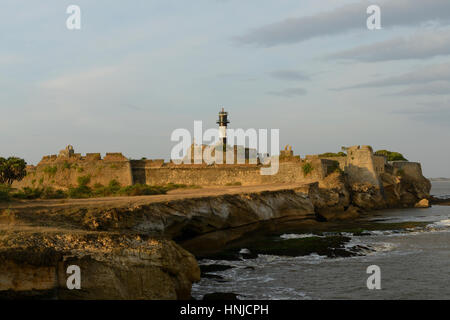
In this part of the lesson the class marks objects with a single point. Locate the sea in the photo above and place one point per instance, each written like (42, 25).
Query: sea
(413, 264)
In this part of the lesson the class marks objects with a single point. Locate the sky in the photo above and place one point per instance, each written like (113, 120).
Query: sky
(138, 70)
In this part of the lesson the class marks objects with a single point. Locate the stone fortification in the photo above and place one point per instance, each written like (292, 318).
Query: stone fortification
(63, 170)
(361, 168)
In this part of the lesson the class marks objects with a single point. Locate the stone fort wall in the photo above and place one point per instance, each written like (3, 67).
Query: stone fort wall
(289, 172)
(63, 170)
(412, 169)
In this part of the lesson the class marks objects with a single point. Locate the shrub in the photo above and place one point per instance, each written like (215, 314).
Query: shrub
(307, 168)
(391, 155)
(98, 186)
(4, 192)
(81, 191)
(39, 193)
(50, 193)
(237, 183)
(100, 190)
(173, 186)
(51, 170)
(332, 154)
(142, 190)
(66, 165)
(84, 180)
(28, 193)
(114, 186)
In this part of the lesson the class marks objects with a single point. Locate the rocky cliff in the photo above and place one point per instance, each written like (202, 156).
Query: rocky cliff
(125, 247)
(34, 263)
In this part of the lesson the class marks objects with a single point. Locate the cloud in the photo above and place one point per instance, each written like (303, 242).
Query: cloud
(433, 88)
(439, 72)
(289, 92)
(80, 79)
(437, 112)
(418, 46)
(346, 18)
(289, 75)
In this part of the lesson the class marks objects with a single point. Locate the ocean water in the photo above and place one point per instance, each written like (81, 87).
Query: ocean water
(440, 189)
(414, 264)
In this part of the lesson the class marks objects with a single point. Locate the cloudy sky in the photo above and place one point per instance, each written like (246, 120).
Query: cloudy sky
(139, 69)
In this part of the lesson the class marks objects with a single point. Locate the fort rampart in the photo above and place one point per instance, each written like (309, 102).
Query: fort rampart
(64, 170)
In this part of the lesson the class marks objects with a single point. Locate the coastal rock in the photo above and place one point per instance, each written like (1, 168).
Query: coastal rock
(113, 266)
(367, 197)
(177, 219)
(351, 212)
(424, 203)
(405, 189)
(330, 197)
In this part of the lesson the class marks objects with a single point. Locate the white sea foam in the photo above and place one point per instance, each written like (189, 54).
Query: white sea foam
(361, 246)
(288, 236)
(439, 225)
(444, 223)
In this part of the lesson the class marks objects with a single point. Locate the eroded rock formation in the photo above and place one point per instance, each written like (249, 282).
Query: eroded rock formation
(34, 264)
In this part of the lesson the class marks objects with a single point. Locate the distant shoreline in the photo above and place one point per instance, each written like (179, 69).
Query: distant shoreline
(439, 179)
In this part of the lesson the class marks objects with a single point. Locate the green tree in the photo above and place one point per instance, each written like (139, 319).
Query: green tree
(391, 155)
(12, 169)
(332, 154)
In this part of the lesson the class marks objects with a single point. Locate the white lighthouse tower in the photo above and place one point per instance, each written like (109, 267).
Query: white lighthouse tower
(223, 123)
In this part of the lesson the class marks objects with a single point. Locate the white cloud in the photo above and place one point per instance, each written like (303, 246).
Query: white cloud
(349, 17)
(79, 78)
(432, 88)
(418, 46)
(289, 92)
(289, 75)
(438, 72)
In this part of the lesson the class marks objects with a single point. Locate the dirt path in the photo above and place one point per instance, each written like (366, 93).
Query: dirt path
(142, 200)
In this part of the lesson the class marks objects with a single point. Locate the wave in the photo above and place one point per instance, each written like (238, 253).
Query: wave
(364, 248)
(288, 236)
(439, 225)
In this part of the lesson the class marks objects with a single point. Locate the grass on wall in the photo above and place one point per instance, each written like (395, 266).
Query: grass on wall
(307, 168)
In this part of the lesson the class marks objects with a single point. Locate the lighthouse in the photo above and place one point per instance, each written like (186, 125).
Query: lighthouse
(223, 122)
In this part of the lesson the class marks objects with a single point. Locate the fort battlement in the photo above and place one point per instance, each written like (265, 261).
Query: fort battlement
(68, 156)
(63, 170)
